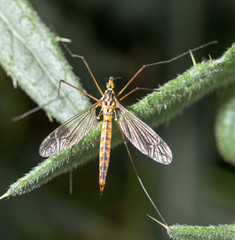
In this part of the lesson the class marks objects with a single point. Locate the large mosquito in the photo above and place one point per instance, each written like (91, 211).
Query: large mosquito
(131, 127)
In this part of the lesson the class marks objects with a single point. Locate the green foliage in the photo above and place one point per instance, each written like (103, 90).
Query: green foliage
(225, 232)
(224, 127)
(30, 54)
(185, 232)
(26, 51)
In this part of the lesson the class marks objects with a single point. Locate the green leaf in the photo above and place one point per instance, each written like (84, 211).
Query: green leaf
(224, 126)
(30, 54)
(184, 232)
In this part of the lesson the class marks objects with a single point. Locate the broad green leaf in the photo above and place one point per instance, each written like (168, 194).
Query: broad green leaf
(30, 54)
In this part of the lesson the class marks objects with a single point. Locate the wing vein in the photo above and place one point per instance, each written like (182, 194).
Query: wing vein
(69, 133)
(143, 137)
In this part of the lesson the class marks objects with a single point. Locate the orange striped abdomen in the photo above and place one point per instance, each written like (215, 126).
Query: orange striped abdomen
(105, 146)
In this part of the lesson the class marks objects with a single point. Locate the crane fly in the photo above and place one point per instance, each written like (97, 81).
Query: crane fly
(131, 127)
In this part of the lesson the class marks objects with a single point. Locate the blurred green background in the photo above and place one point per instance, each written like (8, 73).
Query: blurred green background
(117, 38)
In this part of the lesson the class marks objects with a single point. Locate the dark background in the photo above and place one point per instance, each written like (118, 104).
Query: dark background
(118, 37)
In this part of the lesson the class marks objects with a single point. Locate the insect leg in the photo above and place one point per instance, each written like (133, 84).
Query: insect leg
(134, 90)
(71, 172)
(17, 118)
(100, 114)
(80, 90)
(71, 152)
(86, 64)
(162, 62)
(137, 175)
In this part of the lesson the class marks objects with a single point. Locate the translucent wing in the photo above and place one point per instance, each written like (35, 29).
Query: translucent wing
(69, 133)
(143, 137)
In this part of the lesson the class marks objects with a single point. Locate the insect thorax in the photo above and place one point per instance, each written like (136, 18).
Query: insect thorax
(109, 100)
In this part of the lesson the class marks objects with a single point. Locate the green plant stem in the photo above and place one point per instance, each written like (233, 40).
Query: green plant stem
(184, 232)
(154, 109)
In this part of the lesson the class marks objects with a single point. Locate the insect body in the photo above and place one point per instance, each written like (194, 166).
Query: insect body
(138, 133)
(131, 127)
(108, 109)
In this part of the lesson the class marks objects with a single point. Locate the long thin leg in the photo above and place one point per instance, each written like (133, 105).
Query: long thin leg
(71, 173)
(17, 118)
(31, 111)
(166, 61)
(96, 99)
(87, 66)
(137, 175)
(134, 90)
(71, 165)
